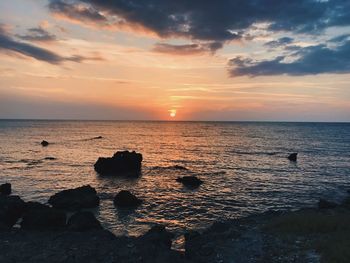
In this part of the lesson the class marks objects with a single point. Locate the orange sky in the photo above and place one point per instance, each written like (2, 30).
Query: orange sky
(123, 73)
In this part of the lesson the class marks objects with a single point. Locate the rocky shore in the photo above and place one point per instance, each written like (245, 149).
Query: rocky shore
(320, 234)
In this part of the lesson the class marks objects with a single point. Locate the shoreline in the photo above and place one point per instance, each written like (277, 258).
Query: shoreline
(305, 235)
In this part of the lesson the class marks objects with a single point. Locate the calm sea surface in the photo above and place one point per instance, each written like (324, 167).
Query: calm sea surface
(243, 166)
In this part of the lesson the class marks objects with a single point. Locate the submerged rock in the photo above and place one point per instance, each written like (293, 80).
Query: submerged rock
(126, 162)
(5, 189)
(126, 199)
(324, 204)
(44, 143)
(75, 199)
(293, 157)
(38, 216)
(190, 181)
(11, 209)
(83, 221)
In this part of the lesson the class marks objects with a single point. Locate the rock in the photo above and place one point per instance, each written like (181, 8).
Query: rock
(11, 209)
(158, 236)
(50, 158)
(126, 199)
(5, 189)
(324, 204)
(75, 199)
(190, 181)
(293, 157)
(44, 143)
(38, 216)
(83, 221)
(127, 163)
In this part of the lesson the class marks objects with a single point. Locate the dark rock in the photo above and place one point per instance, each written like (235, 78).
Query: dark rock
(190, 181)
(11, 209)
(50, 158)
(83, 221)
(127, 163)
(75, 199)
(38, 216)
(126, 199)
(293, 157)
(324, 204)
(44, 143)
(5, 189)
(158, 236)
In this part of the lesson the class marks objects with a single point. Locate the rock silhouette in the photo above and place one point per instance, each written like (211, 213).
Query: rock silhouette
(190, 181)
(5, 189)
(293, 157)
(44, 143)
(324, 204)
(75, 199)
(126, 199)
(11, 209)
(83, 221)
(122, 163)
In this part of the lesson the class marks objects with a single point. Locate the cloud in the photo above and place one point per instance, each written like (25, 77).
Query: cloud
(340, 38)
(279, 42)
(8, 43)
(311, 60)
(187, 49)
(38, 34)
(209, 20)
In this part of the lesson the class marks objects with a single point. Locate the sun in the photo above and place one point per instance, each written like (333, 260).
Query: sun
(172, 113)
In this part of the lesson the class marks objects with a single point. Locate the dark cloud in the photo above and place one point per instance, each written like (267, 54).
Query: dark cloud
(187, 49)
(312, 60)
(340, 38)
(279, 42)
(77, 11)
(9, 44)
(38, 34)
(209, 20)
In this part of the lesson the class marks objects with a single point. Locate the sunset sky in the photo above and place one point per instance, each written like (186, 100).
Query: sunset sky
(175, 60)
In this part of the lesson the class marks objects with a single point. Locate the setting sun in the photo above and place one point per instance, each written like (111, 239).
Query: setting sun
(172, 113)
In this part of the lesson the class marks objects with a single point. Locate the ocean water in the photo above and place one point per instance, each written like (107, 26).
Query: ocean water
(243, 166)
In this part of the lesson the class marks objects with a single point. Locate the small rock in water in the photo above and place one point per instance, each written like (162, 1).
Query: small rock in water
(122, 163)
(126, 199)
(75, 199)
(293, 157)
(44, 143)
(5, 189)
(50, 158)
(83, 221)
(191, 181)
(324, 204)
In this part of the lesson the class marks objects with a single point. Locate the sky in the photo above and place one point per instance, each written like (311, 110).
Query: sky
(227, 60)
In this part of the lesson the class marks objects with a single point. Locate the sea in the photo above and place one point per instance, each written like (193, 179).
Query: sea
(244, 167)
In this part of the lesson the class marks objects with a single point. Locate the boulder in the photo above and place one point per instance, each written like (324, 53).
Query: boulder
(75, 199)
(293, 157)
(38, 216)
(190, 181)
(158, 236)
(324, 204)
(83, 221)
(44, 143)
(5, 189)
(11, 209)
(122, 163)
(126, 199)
